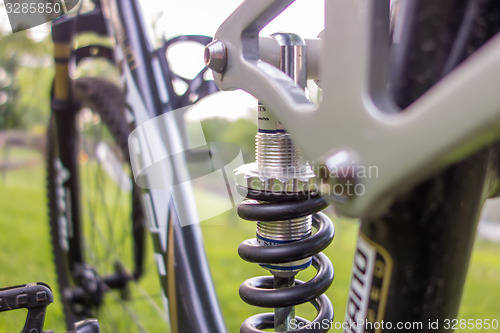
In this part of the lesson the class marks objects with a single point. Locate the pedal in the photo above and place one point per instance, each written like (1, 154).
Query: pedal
(34, 296)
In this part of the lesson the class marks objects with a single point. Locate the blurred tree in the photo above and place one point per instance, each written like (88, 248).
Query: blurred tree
(25, 79)
(9, 89)
(241, 132)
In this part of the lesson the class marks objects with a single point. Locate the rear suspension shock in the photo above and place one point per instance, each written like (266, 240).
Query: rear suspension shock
(280, 192)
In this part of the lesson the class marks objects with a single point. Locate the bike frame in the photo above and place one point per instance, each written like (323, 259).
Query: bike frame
(413, 249)
(179, 252)
(354, 60)
(351, 26)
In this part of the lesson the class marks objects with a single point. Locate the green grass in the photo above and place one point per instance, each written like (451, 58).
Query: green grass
(26, 257)
(14, 154)
(24, 241)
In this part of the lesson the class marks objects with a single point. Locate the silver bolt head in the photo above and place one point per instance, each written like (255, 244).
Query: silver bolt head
(216, 56)
(251, 177)
(339, 179)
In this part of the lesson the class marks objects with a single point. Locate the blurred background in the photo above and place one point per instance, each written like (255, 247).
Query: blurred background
(26, 70)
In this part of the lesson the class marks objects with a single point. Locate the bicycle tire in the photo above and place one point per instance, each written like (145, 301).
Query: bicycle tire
(106, 101)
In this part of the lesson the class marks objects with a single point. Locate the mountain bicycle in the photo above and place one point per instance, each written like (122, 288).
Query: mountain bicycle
(419, 213)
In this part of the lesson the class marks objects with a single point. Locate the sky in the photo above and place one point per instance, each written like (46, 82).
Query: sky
(173, 18)
(304, 17)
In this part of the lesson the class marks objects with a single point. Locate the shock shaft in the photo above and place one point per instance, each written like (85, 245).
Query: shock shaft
(277, 155)
(281, 197)
(281, 170)
(283, 316)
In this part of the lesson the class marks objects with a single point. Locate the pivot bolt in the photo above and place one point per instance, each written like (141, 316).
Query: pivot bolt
(340, 180)
(216, 56)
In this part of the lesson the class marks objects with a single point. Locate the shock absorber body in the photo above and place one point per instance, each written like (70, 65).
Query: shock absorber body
(280, 190)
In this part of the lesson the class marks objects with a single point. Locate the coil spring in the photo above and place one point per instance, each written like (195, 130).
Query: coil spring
(259, 291)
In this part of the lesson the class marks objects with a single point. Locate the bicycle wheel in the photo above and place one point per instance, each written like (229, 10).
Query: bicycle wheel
(96, 217)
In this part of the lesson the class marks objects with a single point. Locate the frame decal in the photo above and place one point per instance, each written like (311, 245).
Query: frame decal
(371, 274)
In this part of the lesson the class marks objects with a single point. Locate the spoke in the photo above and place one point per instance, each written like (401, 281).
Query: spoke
(150, 298)
(84, 139)
(107, 221)
(132, 314)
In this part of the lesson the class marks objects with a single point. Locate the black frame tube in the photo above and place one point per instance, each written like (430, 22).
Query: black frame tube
(425, 240)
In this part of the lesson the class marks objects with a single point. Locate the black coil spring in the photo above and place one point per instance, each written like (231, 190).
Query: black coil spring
(259, 291)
